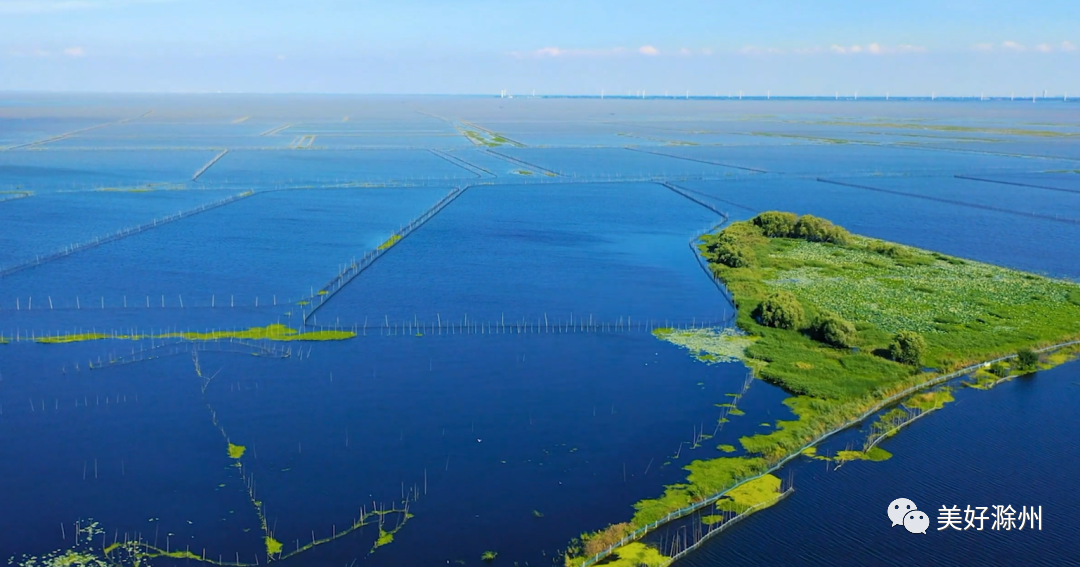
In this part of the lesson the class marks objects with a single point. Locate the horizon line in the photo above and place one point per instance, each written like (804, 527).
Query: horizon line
(526, 95)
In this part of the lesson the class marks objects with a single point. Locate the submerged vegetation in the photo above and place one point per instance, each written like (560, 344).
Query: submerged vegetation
(847, 325)
(708, 345)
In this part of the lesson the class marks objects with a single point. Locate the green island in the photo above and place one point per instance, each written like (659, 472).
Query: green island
(273, 332)
(480, 139)
(847, 325)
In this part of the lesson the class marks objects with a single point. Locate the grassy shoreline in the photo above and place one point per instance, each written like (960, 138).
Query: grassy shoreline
(802, 287)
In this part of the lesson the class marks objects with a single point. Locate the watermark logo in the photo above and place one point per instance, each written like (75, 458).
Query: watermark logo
(1004, 518)
(898, 509)
(916, 522)
(904, 512)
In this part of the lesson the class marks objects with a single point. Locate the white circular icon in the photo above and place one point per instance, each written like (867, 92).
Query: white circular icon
(898, 509)
(916, 522)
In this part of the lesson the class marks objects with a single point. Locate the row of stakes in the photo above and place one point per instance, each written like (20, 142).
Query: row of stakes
(414, 327)
(155, 302)
(122, 233)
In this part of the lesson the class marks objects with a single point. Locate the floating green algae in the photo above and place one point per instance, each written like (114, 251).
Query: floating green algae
(708, 344)
(236, 451)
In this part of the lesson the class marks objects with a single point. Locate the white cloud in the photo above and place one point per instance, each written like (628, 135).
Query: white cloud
(1068, 46)
(549, 52)
(648, 50)
(755, 50)
(706, 51)
(1044, 48)
(75, 52)
(983, 47)
(907, 48)
(685, 52)
(1012, 46)
(870, 48)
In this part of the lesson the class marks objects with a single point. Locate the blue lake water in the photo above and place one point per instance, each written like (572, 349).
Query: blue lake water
(46, 171)
(543, 407)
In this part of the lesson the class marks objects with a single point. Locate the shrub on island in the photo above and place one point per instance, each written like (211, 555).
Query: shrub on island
(1026, 359)
(776, 224)
(781, 310)
(908, 347)
(834, 330)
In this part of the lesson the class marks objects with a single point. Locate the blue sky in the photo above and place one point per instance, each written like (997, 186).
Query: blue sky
(951, 47)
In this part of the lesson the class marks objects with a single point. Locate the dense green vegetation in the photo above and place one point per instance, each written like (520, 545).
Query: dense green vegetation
(834, 330)
(780, 310)
(846, 323)
(908, 347)
(897, 306)
(1026, 359)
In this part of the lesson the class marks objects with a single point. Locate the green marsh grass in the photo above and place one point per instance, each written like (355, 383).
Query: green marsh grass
(273, 332)
(967, 312)
(637, 554)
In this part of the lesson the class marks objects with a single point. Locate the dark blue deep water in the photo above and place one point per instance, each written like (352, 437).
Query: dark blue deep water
(542, 407)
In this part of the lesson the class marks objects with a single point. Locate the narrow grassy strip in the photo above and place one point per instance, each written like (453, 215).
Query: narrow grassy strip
(274, 332)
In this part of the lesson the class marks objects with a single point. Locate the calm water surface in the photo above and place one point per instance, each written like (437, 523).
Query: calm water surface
(513, 442)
